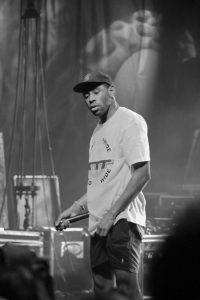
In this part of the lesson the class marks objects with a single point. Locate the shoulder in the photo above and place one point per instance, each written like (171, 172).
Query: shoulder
(131, 118)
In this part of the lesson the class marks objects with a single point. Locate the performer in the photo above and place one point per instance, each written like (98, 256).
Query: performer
(119, 169)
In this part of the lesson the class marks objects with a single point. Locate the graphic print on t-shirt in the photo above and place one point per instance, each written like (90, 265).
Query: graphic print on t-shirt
(99, 171)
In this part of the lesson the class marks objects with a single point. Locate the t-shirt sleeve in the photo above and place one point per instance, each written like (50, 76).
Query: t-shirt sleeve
(135, 144)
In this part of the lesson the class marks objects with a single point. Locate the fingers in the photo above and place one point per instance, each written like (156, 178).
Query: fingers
(101, 231)
(98, 229)
(63, 224)
(57, 222)
(63, 215)
(92, 230)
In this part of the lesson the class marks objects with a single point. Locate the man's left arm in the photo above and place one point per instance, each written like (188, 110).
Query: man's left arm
(140, 176)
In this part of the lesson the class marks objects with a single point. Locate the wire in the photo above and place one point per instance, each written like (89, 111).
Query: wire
(14, 123)
(24, 86)
(52, 164)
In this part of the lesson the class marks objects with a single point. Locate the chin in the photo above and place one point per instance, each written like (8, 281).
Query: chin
(96, 113)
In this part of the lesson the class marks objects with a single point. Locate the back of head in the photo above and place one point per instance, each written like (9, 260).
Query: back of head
(17, 283)
(24, 275)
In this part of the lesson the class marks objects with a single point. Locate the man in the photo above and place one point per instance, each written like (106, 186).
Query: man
(118, 171)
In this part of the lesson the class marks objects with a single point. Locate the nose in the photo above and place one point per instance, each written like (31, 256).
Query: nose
(91, 98)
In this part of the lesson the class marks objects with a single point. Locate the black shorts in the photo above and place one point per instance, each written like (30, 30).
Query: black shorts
(120, 249)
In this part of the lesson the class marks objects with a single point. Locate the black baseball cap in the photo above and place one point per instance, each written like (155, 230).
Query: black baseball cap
(91, 81)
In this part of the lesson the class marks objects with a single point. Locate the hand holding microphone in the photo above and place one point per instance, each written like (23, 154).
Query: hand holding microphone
(74, 213)
(65, 222)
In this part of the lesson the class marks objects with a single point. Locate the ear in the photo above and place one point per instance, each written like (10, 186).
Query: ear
(111, 90)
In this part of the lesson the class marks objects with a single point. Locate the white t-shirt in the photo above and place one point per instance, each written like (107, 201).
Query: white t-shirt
(114, 146)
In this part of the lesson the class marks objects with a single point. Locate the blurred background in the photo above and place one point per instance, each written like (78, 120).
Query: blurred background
(151, 49)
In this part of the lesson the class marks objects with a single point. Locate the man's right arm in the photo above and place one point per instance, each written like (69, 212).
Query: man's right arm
(77, 208)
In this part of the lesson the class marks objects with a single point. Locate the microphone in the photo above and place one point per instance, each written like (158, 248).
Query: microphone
(65, 222)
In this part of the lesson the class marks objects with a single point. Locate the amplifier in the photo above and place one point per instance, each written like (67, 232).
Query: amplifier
(32, 239)
(69, 255)
(162, 205)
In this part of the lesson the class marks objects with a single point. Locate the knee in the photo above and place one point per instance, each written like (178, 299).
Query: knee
(125, 278)
(128, 283)
(102, 284)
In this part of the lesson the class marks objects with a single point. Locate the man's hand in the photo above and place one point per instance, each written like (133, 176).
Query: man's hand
(103, 226)
(65, 214)
(73, 210)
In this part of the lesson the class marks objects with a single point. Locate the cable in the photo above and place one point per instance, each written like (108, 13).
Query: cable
(14, 123)
(47, 127)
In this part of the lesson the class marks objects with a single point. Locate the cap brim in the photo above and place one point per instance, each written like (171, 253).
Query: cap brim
(87, 86)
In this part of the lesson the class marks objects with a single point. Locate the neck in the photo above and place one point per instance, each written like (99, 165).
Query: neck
(112, 109)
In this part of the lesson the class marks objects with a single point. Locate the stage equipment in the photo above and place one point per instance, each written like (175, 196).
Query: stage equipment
(30, 148)
(151, 248)
(164, 210)
(68, 253)
(192, 172)
(32, 239)
(38, 201)
(3, 206)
